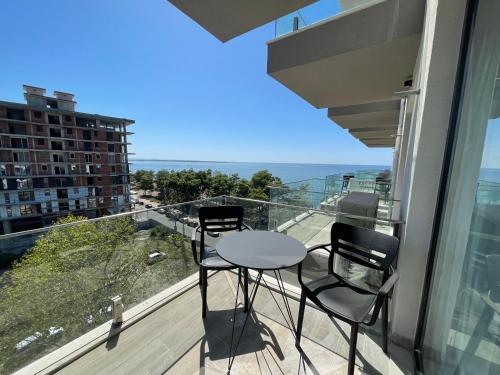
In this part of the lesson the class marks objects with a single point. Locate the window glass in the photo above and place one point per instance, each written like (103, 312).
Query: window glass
(462, 324)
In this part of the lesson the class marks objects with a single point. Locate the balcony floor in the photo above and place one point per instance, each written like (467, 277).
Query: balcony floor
(175, 340)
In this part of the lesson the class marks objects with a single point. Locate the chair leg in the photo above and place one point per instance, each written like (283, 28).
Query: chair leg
(352, 348)
(245, 288)
(302, 307)
(204, 284)
(385, 324)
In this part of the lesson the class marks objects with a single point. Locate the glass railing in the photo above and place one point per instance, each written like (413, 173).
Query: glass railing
(63, 285)
(328, 194)
(488, 192)
(308, 225)
(314, 13)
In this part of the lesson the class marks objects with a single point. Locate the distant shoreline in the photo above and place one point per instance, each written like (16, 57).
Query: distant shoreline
(250, 162)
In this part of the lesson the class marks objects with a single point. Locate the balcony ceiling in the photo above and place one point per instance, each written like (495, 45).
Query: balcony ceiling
(226, 19)
(374, 124)
(356, 57)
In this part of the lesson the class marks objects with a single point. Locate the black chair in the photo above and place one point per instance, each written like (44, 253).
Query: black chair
(214, 220)
(344, 300)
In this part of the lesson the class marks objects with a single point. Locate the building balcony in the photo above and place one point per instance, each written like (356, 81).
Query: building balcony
(335, 57)
(62, 322)
(226, 20)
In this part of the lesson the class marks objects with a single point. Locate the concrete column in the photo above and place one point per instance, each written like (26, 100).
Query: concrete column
(435, 76)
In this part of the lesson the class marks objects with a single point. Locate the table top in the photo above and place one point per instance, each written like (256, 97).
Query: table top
(261, 250)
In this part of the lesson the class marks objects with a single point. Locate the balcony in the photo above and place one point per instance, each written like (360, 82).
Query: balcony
(61, 319)
(228, 19)
(362, 55)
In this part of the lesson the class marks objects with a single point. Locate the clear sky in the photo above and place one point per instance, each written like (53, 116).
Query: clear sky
(192, 97)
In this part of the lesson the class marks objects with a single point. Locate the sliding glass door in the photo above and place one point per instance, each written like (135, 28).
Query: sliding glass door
(462, 322)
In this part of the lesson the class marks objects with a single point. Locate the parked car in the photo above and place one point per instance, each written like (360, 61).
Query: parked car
(213, 234)
(140, 202)
(28, 341)
(55, 330)
(155, 256)
(184, 220)
(161, 211)
(149, 206)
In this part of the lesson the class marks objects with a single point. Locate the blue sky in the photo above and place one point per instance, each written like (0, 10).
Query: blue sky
(192, 97)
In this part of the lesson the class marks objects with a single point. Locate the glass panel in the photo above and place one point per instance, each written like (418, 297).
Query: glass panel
(313, 13)
(462, 331)
(62, 287)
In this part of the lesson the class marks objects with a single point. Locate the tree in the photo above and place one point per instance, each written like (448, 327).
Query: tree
(241, 188)
(66, 280)
(146, 182)
(222, 184)
(260, 183)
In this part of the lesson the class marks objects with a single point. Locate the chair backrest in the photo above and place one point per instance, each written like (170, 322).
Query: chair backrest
(362, 246)
(221, 218)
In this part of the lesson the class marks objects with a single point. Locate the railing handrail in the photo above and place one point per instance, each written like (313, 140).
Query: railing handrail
(97, 219)
(329, 212)
(174, 205)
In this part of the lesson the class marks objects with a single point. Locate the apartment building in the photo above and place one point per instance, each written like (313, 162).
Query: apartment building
(55, 161)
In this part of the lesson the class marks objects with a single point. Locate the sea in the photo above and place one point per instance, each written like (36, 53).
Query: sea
(288, 172)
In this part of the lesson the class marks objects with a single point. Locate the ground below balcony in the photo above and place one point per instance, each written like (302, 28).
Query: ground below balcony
(175, 340)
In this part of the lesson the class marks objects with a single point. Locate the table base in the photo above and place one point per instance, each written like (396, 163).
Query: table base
(287, 315)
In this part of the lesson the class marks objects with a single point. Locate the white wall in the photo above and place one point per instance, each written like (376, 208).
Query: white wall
(435, 76)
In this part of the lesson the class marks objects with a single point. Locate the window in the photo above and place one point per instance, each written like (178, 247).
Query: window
(96, 133)
(9, 211)
(88, 158)
(71, 144)
(45, 167)
(62, 193)
(51, 103)
(23, 183)
(25, 196)
(75, 190)
(26, 209)
(6, 197)
(111, 147)
(71, 156)
(77, 204)
(109, 136)
(37, 114)
(113, 169)
(48, 206)
(63, 206)
(22, 170)
(47, 193)
(96, 145)
(97, 156)
(39, 128)
(40, 142)
(3, 170)
(21, 156)
(461, 329)
(73, 167)
(57, 158)
(68, 118)
(69, 131)
(53, 119)
(19, 142)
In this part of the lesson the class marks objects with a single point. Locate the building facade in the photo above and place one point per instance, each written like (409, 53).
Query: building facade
(55, 161)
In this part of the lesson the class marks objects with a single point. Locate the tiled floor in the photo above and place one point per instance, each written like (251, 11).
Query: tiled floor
(175, 340)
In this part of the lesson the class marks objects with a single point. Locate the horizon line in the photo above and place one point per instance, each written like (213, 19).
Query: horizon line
(249, 162)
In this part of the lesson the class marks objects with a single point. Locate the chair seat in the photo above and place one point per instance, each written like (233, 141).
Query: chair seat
(336, 296)
(212, 260)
